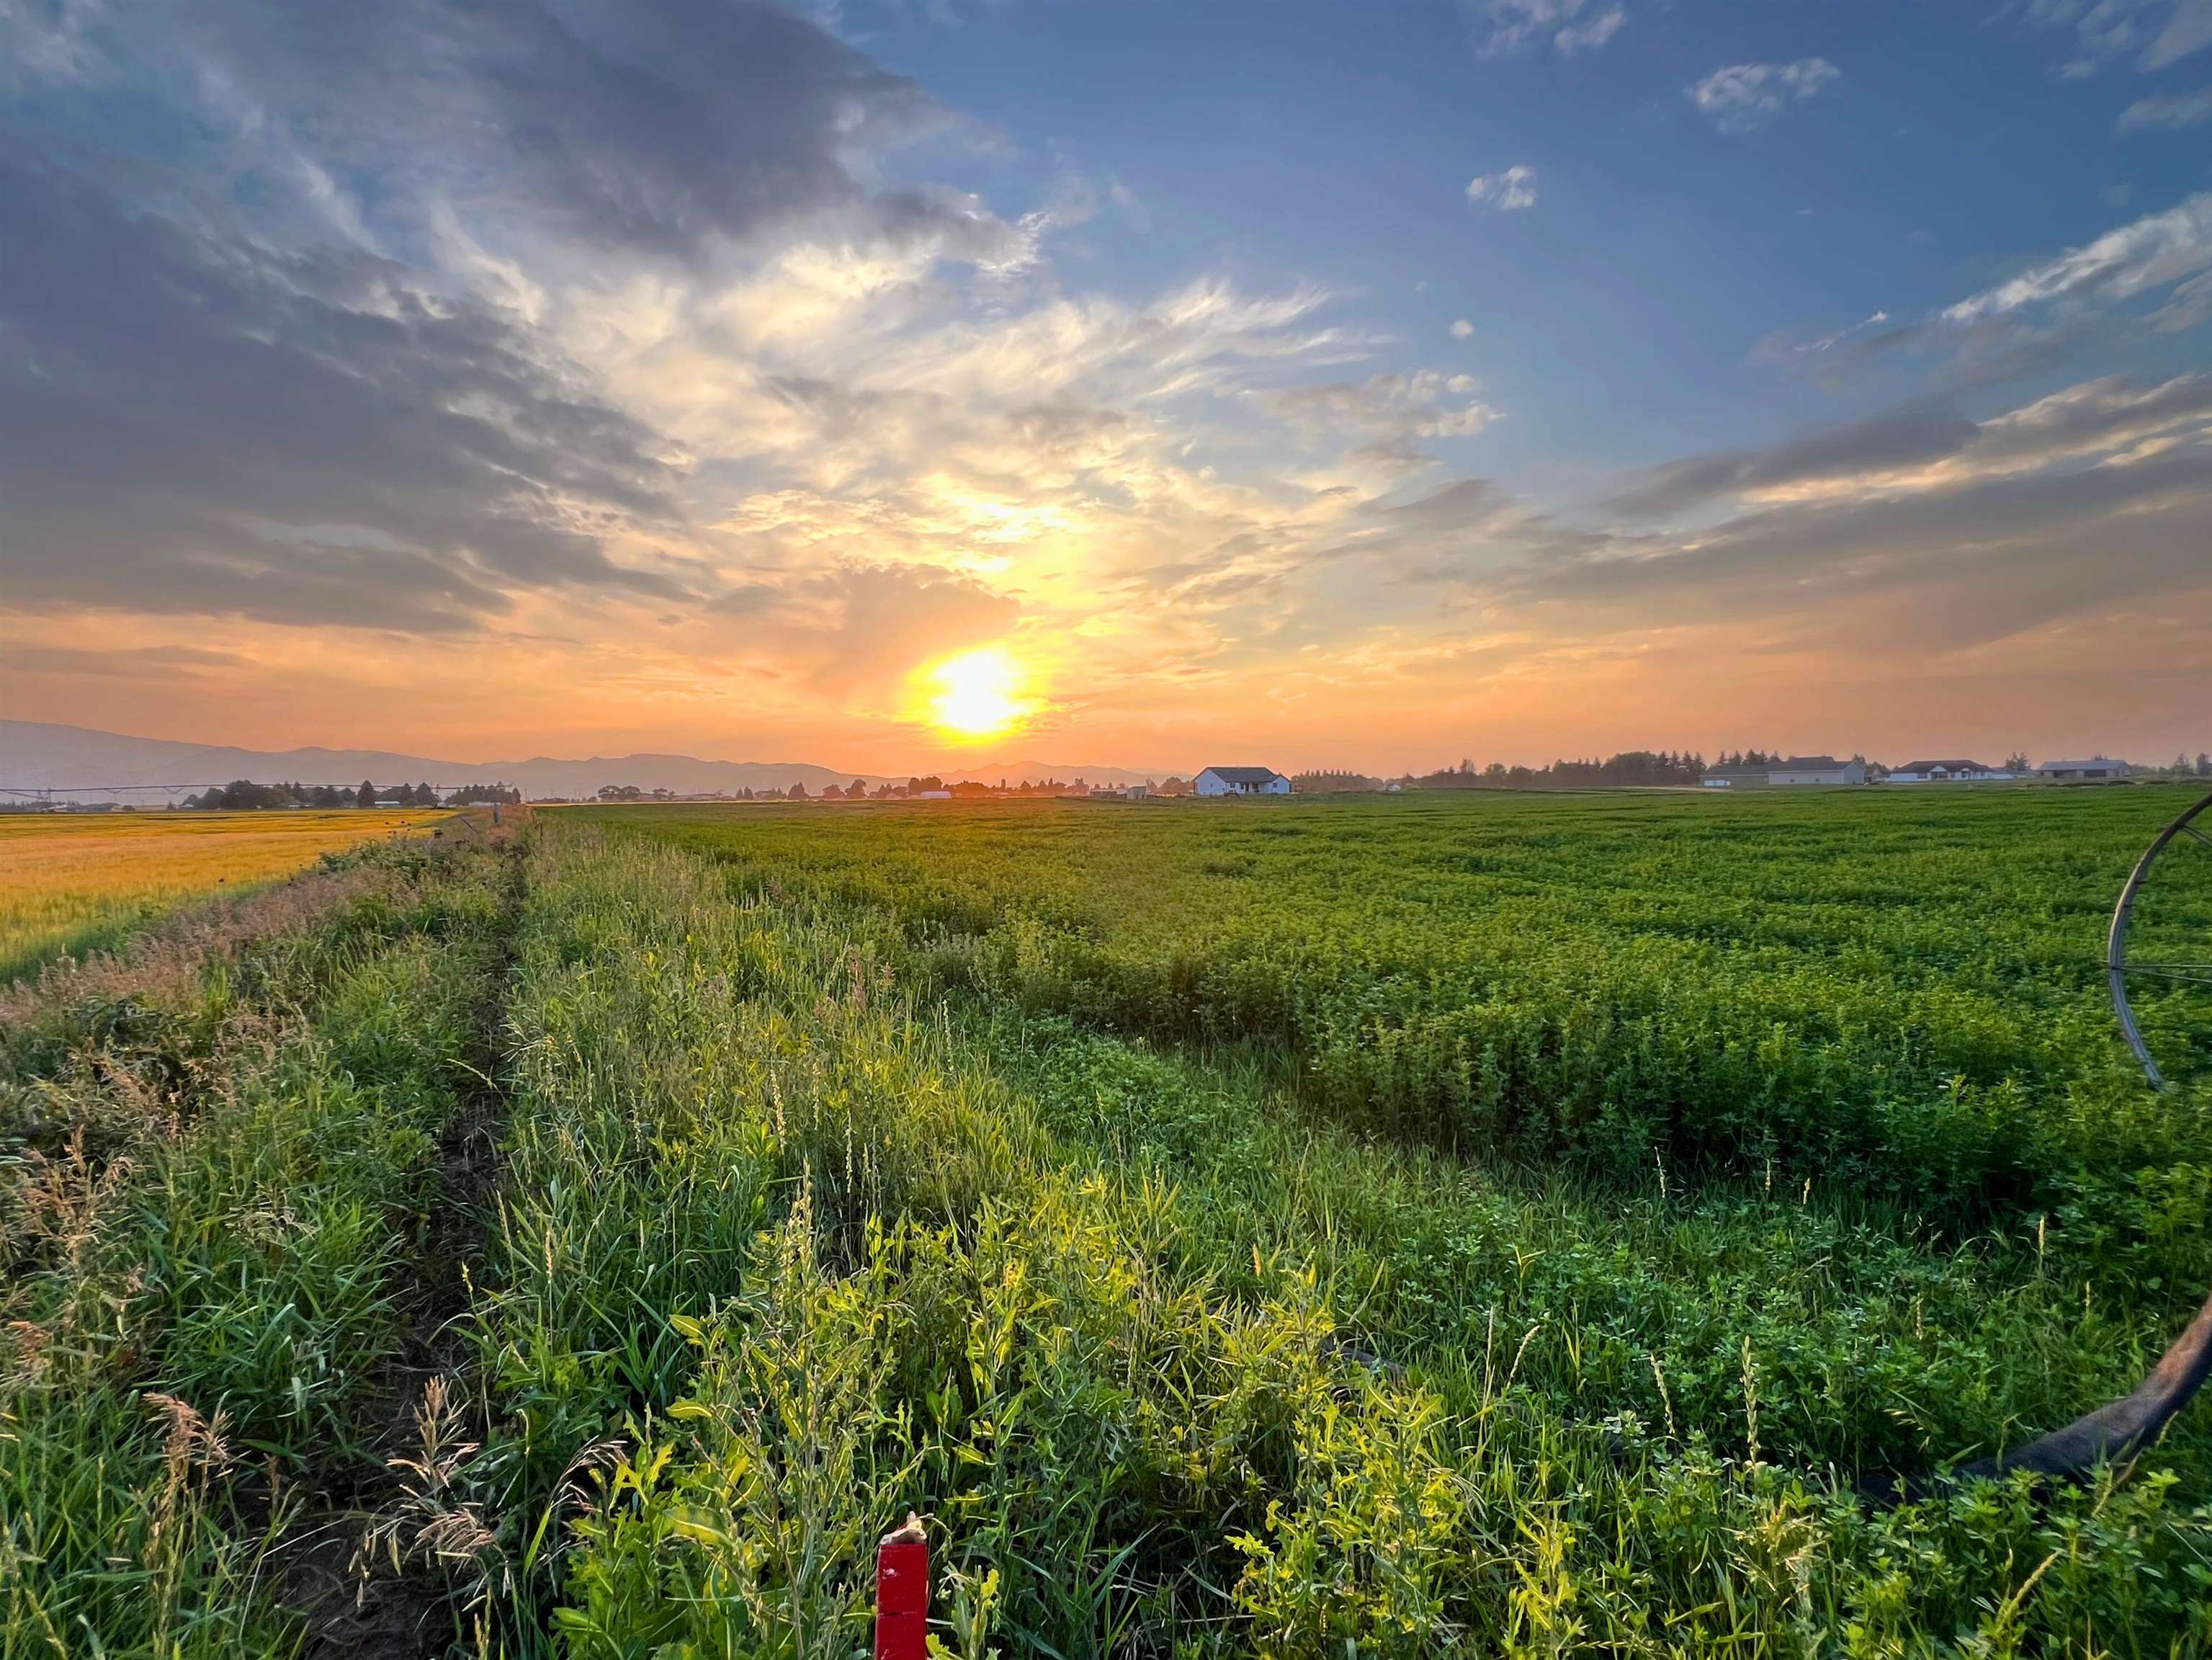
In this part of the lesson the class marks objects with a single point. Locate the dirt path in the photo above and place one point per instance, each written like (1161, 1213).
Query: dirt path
(358, 1606)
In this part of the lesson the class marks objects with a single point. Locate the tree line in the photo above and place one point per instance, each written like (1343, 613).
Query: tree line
(242, 794)
(1630, 766)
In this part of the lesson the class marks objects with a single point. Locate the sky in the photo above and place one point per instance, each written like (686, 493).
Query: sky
(880, 383)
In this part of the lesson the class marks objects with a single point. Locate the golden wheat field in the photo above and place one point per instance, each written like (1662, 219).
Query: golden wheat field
(66, 878)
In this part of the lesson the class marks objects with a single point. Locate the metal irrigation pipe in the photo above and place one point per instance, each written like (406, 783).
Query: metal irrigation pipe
(2116, 942)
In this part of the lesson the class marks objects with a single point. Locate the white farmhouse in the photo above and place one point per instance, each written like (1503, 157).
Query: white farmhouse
(1948, 772)
(1240, 780)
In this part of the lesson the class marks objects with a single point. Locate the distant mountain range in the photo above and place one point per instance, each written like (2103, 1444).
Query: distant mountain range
(79, 763)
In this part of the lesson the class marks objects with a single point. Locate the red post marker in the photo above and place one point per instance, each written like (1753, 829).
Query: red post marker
(902, 1594)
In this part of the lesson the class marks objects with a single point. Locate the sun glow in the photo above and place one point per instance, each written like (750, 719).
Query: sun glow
(978, 693)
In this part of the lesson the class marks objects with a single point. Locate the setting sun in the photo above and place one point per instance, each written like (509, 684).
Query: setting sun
(978, 693)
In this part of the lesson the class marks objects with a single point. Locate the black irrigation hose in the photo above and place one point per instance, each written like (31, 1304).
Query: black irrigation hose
(2113, 1434)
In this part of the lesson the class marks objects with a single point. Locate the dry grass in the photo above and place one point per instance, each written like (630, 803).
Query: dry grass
(65, 880)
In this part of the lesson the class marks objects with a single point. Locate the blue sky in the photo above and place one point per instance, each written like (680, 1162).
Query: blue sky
(1361, 385)
(1620, 315)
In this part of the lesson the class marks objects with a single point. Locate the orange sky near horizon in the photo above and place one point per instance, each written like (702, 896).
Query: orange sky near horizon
(1414, 704)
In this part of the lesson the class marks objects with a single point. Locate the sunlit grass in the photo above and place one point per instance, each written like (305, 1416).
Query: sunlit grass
(67, 879)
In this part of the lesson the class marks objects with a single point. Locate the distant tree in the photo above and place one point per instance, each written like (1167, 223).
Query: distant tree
(1325, 782)
(366, 795)
(2016, 762)
(243, 796)
(470, 795)
(856, 790)
(2204, 764)
(796, 793)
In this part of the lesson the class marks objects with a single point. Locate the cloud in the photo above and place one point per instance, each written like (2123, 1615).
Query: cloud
(653, 125)
(191, 421)
(1926, 448)
(1389, 413)
(2174, 113)
(1514, 187)
(1915, 435)
(2035, 321)
(2155, 251)
(1589, 36)
(1461, 328)
(1744, 96)
(2188, 29)
(1572, 26)
(2155, 32)
(1995, 555)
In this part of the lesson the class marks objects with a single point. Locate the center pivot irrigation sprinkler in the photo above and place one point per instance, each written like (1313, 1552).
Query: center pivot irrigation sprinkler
(2116, 1433)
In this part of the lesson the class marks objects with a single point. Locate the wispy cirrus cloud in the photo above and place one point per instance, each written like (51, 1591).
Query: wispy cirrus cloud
(2173, 112)
(2150, 276)
(1923, 448)
(1568, 25)
(1742, 97)
(2151, 33)
(2172, 249)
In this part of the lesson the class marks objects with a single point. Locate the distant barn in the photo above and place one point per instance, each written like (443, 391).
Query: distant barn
(1242, 781)
(1797, 770)
(2101, 766)
(1816, 770)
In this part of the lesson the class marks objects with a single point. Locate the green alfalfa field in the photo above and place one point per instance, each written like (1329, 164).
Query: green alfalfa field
(1471, 1225)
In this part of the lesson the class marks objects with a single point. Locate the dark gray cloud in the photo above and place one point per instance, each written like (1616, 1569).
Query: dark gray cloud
(193, 422)
(651, 124)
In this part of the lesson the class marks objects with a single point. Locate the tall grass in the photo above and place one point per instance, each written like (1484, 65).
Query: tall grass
(210, 1226)
(1174, 1371)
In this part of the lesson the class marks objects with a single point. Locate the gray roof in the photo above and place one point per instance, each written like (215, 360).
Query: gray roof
(1245, 775)
(1808, 764)
(1947, 766)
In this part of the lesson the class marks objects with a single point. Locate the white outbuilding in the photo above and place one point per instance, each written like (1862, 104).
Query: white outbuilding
(1240, 780)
